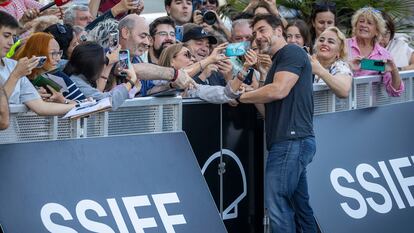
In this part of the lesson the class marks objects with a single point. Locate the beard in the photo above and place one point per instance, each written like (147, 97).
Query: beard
(164, 45)
(265, 45)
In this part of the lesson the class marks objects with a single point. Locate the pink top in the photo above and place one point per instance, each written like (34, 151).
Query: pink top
(378, 53)
(17, 7)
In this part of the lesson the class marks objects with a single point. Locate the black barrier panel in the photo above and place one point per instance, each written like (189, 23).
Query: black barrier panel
(112, 184)
(242, 155)
(362, 177)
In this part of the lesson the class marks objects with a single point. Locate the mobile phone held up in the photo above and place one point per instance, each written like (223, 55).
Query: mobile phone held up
(124, 59)
(375, 65)
(179, 33)
(237, 49)
(42, 61)
(113, 40)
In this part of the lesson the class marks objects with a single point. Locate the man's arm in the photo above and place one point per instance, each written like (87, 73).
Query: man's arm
(4, 110)
(146, 71)
(43, 108)
(283, 82)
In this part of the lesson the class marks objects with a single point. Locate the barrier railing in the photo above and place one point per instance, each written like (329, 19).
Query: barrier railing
(367, 91)
(140, 115)
(151, 115)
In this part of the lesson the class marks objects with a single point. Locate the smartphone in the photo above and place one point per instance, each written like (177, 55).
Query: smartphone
(179, 33)
(113, 40)
(249, 78)
(42, 61)
(124, 59)
(42, 81)
(237, 49)
(369, 64)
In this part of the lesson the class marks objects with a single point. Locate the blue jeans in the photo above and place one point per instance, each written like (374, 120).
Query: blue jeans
(286, 188)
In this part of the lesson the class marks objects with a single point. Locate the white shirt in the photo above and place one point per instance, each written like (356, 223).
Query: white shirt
(400, 51)
(24, 90)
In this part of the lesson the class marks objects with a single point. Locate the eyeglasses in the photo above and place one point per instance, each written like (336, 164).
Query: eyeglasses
(61, 28)
(164, 33)
(56, 54)
(371, 9)
(209, 1)
(324, 5)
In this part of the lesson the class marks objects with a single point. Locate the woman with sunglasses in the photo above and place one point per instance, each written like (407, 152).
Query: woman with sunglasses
(323, 16)
(367, 28)
(43, 44)
(179, 57)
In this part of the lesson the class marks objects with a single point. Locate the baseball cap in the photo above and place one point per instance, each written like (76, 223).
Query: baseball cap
(197, 33)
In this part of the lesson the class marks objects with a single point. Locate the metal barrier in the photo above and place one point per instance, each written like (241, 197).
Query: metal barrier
(150, 115)
(367, 91)
(137, 116)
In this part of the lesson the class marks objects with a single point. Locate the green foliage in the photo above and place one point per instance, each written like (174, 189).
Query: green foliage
(398, 9)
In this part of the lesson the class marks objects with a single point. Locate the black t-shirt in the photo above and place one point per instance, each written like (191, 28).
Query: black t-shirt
(291, 117)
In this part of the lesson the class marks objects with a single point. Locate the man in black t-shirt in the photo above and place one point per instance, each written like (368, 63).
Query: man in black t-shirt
(287, 96)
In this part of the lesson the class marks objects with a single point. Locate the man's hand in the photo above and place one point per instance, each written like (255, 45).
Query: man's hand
(124, 6)
(24, 67)
(264, 62)
(183, 80)
(250, 58)
(198, 17)
(29, 15)
(217, 53)
(58, 12)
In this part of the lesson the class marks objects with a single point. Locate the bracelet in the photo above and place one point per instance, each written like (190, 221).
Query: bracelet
(171, 86)
(175, 76)
(238, 100)
(103, 77)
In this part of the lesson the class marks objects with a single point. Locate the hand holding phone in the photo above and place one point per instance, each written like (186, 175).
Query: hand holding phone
(370, 64)
(179, 33)
(42, 61)
(237, 49)
(124, 59)
(113, 40)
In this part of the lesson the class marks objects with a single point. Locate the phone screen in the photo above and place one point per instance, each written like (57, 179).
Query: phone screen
(369, 64)
(237, 49)
(179, 33)
(113, 40)
(124, 59)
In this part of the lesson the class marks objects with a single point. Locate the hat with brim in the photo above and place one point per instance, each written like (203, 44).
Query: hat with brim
(197, 33)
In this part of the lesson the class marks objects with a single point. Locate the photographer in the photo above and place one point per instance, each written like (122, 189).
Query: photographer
(206, 15)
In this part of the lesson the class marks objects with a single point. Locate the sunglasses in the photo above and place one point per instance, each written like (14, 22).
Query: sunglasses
(324, 5)
(371, 9)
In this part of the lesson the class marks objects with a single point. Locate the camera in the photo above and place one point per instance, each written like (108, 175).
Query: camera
(209, 17)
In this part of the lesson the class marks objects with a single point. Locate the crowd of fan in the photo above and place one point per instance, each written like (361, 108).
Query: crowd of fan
(80, 48)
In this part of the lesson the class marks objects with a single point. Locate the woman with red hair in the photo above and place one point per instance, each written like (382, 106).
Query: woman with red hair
(44, 44)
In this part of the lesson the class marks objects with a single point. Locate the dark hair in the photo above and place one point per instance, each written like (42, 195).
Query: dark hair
(7, 20)
(158, 21)
(389, 23)
(303, 30)
(167, 2)
(87, 59)
(273, 20)
(319, 7)
(63, 35)
(263, 5)
(243, 15)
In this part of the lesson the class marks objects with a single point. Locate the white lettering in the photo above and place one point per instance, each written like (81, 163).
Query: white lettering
(55, 208)
(348, 192)
(405, 182)
(119, 220)
(93, 226)
(138, 224)
(391, 184)
(375, 188)
(168, 221)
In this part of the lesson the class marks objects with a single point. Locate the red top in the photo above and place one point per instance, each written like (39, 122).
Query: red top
(107, 4)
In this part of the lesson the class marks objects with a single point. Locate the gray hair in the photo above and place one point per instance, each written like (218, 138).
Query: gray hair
(126, 22)
(70, 13)
(240, 22)
(100, 33)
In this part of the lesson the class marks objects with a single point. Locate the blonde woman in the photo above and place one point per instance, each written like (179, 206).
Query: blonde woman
(329, 62)
(367, 28)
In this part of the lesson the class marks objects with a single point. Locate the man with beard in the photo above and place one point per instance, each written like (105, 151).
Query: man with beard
(288, 98)
(162, 31)
(179, 10)
(198, 42)
(134, 36)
